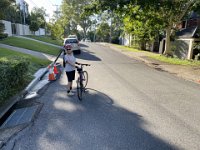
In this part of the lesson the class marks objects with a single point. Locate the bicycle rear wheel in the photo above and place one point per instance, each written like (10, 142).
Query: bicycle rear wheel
(85, 78)
(79, 89)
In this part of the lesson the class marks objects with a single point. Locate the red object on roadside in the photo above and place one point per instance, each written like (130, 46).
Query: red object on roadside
(55, 70)
(51, 74)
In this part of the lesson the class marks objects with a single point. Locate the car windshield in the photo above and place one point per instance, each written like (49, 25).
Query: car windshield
(71, 41)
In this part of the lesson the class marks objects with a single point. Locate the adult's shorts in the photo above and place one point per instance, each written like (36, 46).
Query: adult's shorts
(70, 75)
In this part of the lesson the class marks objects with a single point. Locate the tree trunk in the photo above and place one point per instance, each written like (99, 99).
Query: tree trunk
(143, 45)
(167, 42)
(129, 39)
(84, 32)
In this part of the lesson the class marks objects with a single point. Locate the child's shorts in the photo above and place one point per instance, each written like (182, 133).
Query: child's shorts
(70, 75)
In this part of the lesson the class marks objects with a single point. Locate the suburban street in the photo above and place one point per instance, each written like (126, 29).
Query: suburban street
(128, 106)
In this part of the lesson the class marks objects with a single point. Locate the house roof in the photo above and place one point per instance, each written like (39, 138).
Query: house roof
(188, 33)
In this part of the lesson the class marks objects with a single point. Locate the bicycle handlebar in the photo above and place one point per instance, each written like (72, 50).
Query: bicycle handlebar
(83, 64)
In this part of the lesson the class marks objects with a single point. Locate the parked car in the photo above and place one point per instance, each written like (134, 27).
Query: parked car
(87, 40)
(73, 36)
(74, 43)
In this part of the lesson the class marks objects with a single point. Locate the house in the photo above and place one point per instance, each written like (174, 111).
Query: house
(187, 36)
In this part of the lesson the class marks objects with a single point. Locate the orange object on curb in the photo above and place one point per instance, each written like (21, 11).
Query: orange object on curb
(51, 74)
(55, 70)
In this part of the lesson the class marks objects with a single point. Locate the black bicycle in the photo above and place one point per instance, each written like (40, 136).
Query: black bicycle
(82, 80)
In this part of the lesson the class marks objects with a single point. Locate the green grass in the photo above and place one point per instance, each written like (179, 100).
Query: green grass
(174, 61)
(46, 39)
(31, 45)
(35, 63)
(127, 48)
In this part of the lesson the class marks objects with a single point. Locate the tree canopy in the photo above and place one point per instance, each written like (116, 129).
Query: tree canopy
(4, 4)
(144, 18)
(71, 13)
(38, 16)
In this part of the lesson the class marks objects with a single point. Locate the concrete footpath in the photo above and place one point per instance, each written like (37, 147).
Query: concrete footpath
(23, 37)
(30, 52)
(186, 72)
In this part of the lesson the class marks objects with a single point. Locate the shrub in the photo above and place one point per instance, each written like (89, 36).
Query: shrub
(13, 75)
(3, 35)
(115, 40)
(2, 27)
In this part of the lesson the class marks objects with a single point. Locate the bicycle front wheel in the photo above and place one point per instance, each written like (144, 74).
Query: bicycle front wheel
(79, 89)
(85, 78)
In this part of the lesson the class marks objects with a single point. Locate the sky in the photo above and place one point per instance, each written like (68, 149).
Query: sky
(49, 5)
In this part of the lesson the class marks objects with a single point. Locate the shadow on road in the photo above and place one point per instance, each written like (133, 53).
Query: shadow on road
(95, 123)
(83, 45)
(87, 55)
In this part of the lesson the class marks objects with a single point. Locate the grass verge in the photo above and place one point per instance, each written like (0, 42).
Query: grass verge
(162, 58)
(36, 63)
(31, 45)
(174, 61)
(47, 39)
(127, 48)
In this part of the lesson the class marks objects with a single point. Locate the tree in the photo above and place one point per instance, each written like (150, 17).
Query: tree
(38, 15)
(4, 4)
(71, 11)
(144, 25)
(103, 31)
(171, 13)
(2, 28)
(13, 14)
(34, 26)
(168, 13)
(57, 29)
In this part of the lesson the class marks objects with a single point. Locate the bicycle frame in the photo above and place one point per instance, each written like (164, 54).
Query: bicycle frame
(81, 79)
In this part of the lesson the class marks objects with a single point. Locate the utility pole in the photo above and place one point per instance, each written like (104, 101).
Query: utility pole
(94, 38)
(24, 4)
(57, 12)
(24, 16)
(110, 25)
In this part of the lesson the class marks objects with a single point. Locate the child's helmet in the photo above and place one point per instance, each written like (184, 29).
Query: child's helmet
(68, 46)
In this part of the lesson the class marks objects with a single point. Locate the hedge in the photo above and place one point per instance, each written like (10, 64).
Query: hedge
(13, 75)
(3, 36)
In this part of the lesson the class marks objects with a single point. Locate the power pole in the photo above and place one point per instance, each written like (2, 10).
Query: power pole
(57, 12)
(24, 6)
(24, 16)
(94, 38)
(110, 25)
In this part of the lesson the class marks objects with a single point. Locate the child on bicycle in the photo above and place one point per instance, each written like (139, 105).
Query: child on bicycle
(69, 61)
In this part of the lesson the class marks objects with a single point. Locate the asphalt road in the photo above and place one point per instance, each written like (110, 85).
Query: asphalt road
(128, 106)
